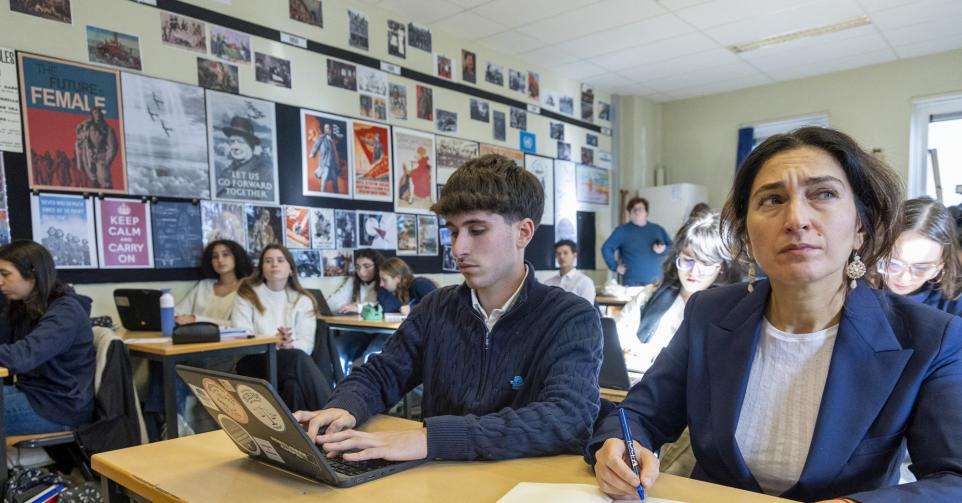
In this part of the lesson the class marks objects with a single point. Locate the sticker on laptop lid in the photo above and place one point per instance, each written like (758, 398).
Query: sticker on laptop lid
(269, 449)
(262, 409)
(238, 434)
(203, 397)
(226, 384)
(225, 401)
(294, 450)
(122, 301)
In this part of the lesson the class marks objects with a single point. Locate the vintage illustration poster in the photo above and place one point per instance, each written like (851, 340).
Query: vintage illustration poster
(407, 234)
(322, 228)
(184, 32)
(178, 237)
(242, 137)
(593, 184)
(73, 125)
(218, 76)
(344, 229)
(297, 225)
(265, 225)
(427, 235)
(165, 131)
(272, 70)
(337, 262)
(376, 230)
(230, 45)
(515, 155)
(64, 225)
(543, 170)
(11, 135)
(416, 171)
(307, 262)
(223, 221)
(54, 10)
(307, 11)
(112, 48)
(372, 162)
(326, 155)
(452, 153)
(123, 234)
(565, 201)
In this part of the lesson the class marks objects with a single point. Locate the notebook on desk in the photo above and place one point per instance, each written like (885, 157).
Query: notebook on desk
(259, 423)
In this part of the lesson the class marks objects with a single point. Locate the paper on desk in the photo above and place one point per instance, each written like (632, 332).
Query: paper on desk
(147, 340)
(528, 492)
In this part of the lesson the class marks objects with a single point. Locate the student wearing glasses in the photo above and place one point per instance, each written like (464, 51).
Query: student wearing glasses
(924, 263)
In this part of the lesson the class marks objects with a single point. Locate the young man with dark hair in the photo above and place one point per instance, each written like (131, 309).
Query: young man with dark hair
(509, 365)
(568, 278)
(640, 244)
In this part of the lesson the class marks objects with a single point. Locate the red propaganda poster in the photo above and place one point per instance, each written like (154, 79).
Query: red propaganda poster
(73, 126)
(297, 225)
(372, 162)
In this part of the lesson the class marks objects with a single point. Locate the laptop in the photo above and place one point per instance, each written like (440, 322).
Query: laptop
(259, 423)
(322, 308)
(139, 309)
(614, 373)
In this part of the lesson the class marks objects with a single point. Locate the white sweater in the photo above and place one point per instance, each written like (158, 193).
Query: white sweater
(784, 393)
(205, 305)
(342, 296)
(286, 308)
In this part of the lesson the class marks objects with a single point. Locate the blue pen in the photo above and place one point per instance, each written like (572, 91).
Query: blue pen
(630, 446)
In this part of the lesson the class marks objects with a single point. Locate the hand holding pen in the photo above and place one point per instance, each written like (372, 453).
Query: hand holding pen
(613, 468)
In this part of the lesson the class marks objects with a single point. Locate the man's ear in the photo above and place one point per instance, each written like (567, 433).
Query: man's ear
(526, 228)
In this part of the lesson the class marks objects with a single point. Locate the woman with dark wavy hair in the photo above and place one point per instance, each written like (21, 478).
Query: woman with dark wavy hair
(808, 384)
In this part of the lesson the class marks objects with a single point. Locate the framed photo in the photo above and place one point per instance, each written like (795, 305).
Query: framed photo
(416, 171)
(326, 154)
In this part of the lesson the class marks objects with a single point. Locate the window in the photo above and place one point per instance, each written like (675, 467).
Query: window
(936, 130)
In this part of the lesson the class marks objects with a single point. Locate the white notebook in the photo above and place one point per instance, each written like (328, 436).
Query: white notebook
(528, 492)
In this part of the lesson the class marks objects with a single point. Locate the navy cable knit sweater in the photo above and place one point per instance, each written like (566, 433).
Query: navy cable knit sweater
(549, 338)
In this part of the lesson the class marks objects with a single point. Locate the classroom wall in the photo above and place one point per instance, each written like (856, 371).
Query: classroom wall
(640, 151)
(873, 104)
(310, 89)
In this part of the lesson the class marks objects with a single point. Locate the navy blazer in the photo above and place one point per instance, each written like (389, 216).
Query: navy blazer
(895, 377)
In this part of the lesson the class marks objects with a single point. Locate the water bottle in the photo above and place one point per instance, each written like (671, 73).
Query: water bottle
(166, 313)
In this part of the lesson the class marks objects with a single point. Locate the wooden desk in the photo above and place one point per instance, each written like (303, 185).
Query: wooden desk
(354, 323)
(611, 306)
(169, 355)
(208, 467)
(614, 395)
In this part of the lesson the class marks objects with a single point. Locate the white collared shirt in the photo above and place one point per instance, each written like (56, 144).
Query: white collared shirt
(575, 282)
(491, 319)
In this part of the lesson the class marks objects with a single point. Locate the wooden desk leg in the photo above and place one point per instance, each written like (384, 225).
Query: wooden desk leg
(272, 364)
(3, 438)
(112, 492)
(169, 376)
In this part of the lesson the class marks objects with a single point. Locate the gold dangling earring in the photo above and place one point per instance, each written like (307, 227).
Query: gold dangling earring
(855, 270)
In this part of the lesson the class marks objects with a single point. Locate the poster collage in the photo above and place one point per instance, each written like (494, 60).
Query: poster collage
(90, 129)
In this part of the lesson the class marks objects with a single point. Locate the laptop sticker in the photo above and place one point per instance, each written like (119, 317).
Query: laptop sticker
(225, 383)
(269, 449)
(262, 409)
(238, 434)
(225, 401)
(203, 397)
(294, 450)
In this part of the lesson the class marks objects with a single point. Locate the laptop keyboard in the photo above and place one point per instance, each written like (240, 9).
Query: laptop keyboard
(352, 468)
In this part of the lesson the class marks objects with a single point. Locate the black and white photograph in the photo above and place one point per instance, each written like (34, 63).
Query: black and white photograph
(517, 81)
(308, 262)
(307, 11)
(566, 105)
(223, 221)
(564, 151)
(447, 121)
(357, 25)
(494, 74)
(265, 225)
(345, 235)
(340, 74)
(557, 130)
(452, 153)
(469, 66)
(184, 32)
(371, 81)
(217, 75)
(165, 130)
(419, 37)
(498, 125)
(322, 228)
(587, 103)
(373, 107)
(549, 100)
(519, 118)
(587, 156)
(272, 70)
(604, 110)
(397, 40)
(54, 10)
(242, 138)
(591, 139)
(398, 101)
(480, 110)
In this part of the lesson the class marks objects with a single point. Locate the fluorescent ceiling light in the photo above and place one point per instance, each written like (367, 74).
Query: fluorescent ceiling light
(854, 22)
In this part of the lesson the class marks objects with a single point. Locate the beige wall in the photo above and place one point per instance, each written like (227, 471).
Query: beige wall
(309, 90)
(873, 104)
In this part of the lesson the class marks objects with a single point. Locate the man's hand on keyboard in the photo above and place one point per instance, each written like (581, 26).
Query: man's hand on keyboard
(326, 420)
(390, 445)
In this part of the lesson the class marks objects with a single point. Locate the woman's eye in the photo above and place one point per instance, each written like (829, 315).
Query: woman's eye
(826, 194)
(770, 200)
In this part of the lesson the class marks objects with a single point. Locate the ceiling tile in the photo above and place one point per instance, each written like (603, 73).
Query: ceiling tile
(656, 51)
(630, 35)
(511, 42)
(469, 4)
(812, 51)
(704, 76)
(834, 65)
(720, 86)
(592, 18)
(945, 27)
(931, 46)
(606, 81)
(659, 98)
(801, 17)
(921, 12)
(578, 70)
(421, 11)
(515, 13)
(468, 25)
(872, 6)
(634, 90)
(547, 57)
(680, 65)
(720, 12)
(673, 5)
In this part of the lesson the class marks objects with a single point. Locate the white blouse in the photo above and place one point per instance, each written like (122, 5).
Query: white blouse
(342, 296)
(285, 308)
(205, 305)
